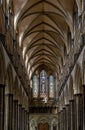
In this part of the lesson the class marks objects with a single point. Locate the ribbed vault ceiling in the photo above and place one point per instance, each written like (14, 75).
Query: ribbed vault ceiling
(42, 28)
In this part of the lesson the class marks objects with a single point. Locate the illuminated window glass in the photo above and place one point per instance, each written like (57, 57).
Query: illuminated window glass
(43, 84)
(35, 86)
(51, 86)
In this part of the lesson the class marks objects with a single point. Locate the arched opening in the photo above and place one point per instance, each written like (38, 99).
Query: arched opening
(43, 126)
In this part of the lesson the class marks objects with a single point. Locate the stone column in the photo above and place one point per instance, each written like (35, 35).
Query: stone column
(58, 120)
(15, 115)
(72, 120)
(64, 118)
(78, 112)
(50, 127)
(20, 117)
(61, 119)
(83, 107)
(26, 120)
(2, 96)
(8, 111)
(67, 117)
(57, 127)
(28, 126)
(54, 127)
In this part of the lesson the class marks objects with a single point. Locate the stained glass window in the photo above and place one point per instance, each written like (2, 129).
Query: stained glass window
(43, 87)
(35, 86)
(43, 84)
(51, 86)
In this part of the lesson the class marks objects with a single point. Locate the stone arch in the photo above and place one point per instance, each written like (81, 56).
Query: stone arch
(9, 80)
(2, 65)
(43, 120)
(2, 22)
(78, 80)
(43, 123)
(71, 91)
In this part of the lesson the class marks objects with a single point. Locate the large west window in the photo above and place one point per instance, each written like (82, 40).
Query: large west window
(43, 85)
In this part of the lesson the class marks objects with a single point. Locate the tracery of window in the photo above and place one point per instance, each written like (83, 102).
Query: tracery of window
(43, 87)
(51, 86)
(35, 86)
(43, 84)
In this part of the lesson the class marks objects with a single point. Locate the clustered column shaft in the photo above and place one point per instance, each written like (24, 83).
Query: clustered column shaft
(72, 116)
(2, 90)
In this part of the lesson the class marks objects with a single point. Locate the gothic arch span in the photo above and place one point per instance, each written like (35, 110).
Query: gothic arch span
(43, 120)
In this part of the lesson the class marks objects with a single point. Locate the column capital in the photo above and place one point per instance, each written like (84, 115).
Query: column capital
(78, 94)
(71, 100)
(66, 105)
